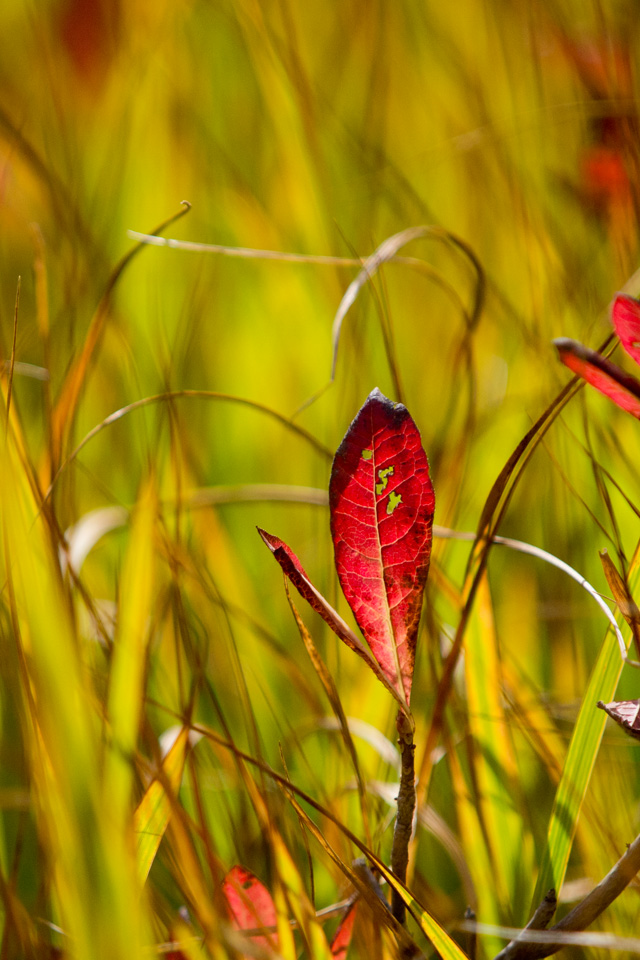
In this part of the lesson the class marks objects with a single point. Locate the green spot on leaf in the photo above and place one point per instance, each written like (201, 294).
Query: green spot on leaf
(394, 500)
(367, 454)
(383, 475)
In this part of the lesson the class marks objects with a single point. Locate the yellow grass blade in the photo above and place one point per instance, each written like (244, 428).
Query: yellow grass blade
(438, 937)
(492, 754)
(62, 734)
(152, 814)
(474, 844)
(447, 948)
(126, 685)
(290, 887)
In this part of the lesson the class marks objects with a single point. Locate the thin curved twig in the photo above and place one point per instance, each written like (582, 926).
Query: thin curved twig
(541, 554)
(193, 394)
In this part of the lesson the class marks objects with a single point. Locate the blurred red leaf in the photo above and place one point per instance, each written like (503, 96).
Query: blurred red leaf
(342, 936)
(250, 905)
(382, 503)
(604, 176)
(626, 322)
(89, 32)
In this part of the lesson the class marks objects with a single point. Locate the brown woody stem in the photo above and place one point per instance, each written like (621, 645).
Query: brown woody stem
(583, 915)
(406, 808)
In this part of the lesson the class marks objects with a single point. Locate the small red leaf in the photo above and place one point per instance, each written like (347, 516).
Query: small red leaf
(294, 570)
(250, 905)
(605, 376)
(625, 314)
(382, 504)
(626, 714)
(342, 936)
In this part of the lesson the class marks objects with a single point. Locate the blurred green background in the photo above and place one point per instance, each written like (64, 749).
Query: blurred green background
(321, 129)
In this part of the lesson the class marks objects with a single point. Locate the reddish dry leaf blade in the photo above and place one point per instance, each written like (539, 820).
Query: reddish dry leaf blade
(296, 574)
(605, 376)
(626, 714)
(625, 314)
(250, 905)
(382, 504)
(624, 601)
(342, 936)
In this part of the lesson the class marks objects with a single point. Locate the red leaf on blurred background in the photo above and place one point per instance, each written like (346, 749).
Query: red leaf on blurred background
(342, 936)
(605, 376)
(250, 905)
(382, 503)
(294, 570)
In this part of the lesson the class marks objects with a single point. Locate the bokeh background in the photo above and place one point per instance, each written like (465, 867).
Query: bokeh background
(319, 129)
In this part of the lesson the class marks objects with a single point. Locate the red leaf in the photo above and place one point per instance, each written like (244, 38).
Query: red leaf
(605, 376)
(382, 504)
(626, 714)
(626, 321)
(342, 936)
(250, 905)
(295, 572)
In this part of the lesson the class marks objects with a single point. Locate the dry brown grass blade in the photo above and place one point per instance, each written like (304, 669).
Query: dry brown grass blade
(64, 411)
(625, 602)
(493, 512)
(283, 782)
(358, 879)
(506, 482)
(336, 705)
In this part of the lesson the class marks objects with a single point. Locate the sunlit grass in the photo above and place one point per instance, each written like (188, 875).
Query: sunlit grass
(312, 130)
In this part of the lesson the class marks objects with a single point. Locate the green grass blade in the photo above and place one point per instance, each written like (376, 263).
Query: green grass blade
(583, 750)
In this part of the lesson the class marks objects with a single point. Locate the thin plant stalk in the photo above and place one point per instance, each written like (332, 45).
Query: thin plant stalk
(406, 811)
